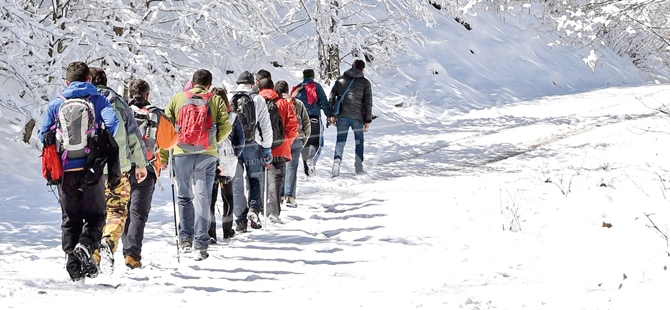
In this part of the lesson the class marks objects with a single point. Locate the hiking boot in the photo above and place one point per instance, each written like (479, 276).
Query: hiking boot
(186, 246)
(310, 168)
(76, 277)
(361, 172)
(304, 164)
(254, 220)
(201, 254)
(282, 199)
(106, 257)
(88, 267)
(212, 240)
(336, 167)
(290, 202)
(241, 226)
(131, 262)
(228, 233)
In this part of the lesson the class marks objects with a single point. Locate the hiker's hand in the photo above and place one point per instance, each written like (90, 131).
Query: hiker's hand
(332, 120)
(140, 174)
(266, 156)
(366, 127)
(164, 166)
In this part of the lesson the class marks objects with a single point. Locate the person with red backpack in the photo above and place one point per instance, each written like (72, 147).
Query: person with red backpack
(201, 121)
(314, 98)
(158, 133)
(285, 129)
(288, 189)
(75, 118)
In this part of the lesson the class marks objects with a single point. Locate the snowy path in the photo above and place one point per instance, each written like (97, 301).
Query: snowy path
(483, 211)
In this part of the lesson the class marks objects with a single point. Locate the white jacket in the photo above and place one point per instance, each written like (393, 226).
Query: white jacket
(262, 116)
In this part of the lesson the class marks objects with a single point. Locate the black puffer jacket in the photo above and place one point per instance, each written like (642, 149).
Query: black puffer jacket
(357, 103)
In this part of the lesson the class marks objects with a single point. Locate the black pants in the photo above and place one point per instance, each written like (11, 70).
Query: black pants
(83, 212)
(139, 206)
(227, 198)
(313, 143)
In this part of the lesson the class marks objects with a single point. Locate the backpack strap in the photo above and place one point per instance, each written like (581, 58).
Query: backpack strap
(339, 102)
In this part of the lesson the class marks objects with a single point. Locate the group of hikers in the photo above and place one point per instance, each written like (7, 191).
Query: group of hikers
(105, 154)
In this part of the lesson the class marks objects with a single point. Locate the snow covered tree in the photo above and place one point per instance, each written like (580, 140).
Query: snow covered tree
(637, 29)
(339, 30)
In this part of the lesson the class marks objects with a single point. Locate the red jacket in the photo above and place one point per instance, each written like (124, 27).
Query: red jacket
(289, 119)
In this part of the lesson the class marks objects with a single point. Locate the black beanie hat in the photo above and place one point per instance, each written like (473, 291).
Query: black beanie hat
(246, 78)
(308, 74)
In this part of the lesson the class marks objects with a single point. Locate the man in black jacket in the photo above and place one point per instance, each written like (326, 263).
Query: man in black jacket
(351, 99)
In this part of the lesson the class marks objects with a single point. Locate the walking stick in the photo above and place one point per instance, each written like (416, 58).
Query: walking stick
(174, 204)
(265, 200)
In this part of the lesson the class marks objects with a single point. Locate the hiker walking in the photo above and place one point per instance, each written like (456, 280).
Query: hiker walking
(201, 121)
(314, 98)
(284, 129)
(253, 113)
(351, 99)
(288, 189)
(230, 151)
(158, 133)
(74, 121)
(132, 152)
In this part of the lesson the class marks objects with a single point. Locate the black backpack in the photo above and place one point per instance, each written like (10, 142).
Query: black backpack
(243, 105)
(277, 123)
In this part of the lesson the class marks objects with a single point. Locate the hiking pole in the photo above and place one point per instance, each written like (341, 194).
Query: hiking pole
(265, 200)
(174, 204)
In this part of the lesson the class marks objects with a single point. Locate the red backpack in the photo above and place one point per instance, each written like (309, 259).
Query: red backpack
(195, 126)
(52, 167)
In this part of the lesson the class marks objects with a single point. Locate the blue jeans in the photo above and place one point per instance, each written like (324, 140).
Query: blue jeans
(195, 178)
(343, 125)
(249, 161)
(291, 170)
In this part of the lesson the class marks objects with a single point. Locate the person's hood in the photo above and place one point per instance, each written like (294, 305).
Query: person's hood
(244, 88)
(269, 94)
(80, 89)
(354, 73)
(139, 102)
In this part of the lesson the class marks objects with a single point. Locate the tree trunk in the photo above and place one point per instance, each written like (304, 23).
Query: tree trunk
(329, 53)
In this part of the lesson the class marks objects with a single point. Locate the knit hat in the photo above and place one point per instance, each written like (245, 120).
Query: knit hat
(246, 78)
(308, 74)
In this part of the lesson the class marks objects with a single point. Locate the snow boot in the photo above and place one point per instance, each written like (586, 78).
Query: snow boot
(254, 220)
(88, 267)
(201, 254)
(228, 231)
(106, 261)
(131, 262)
(290, 202)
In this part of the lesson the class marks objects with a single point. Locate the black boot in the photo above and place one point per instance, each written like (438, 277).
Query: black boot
(228, 231)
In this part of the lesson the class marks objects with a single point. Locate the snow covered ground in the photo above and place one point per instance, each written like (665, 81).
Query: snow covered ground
(505, 208)
(481, 193)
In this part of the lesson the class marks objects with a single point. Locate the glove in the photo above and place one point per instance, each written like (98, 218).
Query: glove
(266, 156)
